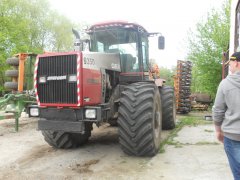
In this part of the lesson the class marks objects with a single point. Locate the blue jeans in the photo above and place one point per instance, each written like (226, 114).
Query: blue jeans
(232, 149)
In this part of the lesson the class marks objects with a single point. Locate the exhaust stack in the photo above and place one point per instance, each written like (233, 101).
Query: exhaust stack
(77, 44)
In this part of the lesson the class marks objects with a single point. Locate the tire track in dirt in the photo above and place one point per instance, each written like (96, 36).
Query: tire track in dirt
(84, 167)
(31, 156)
(35, 154)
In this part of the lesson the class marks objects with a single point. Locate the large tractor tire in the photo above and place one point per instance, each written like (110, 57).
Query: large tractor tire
(67, 140)
(140, 119)
(168, 107)
(13, 61)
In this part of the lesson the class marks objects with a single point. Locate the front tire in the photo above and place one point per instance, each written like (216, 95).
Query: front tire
(67, 140)
(140, 119)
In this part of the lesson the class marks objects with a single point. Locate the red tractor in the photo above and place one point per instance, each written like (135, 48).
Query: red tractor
(108, 83)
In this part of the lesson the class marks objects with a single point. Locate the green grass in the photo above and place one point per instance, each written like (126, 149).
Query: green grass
(169, 140)
(206, 143)
(192, 121)
(207, 130)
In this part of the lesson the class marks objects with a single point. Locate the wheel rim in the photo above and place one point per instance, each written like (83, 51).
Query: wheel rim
(157, 123)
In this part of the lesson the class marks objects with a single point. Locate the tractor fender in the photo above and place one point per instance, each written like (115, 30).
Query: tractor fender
(159, 82)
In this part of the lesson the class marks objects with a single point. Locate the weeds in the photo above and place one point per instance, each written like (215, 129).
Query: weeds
(169, 140)
(206, 143)
(207, 130)
(183, 121)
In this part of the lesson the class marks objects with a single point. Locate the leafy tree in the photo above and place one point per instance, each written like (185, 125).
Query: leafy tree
(206, 46)
(59, 37)
(31, 26)
(167, 74)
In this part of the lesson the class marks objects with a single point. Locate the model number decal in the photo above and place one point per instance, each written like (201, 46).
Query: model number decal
(88, 61)
(115, 66)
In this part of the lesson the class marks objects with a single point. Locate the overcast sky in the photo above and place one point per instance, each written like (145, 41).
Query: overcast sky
(173, 18)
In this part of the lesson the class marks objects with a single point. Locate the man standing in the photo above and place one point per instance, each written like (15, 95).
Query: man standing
(226, 114)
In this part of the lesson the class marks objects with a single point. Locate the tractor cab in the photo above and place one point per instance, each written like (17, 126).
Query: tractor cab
(130, 41)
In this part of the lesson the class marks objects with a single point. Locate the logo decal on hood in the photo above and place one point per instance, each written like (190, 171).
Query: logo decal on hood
(54, 78)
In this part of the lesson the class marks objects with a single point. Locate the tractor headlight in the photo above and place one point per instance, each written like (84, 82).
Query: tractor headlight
(72, 78)
(33, 111)
(90, 113)
(42, 79)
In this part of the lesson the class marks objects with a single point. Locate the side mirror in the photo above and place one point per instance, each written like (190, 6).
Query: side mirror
(161, 42)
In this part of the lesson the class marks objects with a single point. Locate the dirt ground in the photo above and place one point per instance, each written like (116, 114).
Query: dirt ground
(25, 155)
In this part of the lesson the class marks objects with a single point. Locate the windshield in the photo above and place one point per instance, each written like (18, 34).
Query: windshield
(117, 40)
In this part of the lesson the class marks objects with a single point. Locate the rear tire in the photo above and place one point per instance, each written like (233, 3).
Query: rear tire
(140, 119)
(168, 107)
(67, 140)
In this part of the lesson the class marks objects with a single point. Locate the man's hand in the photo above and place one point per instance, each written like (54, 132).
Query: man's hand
(220, 136)
(219, 133)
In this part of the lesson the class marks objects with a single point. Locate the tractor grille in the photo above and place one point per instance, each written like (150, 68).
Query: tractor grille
(57, 89)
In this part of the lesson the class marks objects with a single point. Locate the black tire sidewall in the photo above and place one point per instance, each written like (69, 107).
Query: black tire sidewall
(11, 85)
(13, 61)
(157, 109)
(168, 107)
(11, 73)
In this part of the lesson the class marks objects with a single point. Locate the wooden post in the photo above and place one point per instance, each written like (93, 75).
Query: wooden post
(22, 57)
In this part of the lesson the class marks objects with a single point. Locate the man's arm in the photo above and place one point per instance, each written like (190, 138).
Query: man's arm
(218, 112)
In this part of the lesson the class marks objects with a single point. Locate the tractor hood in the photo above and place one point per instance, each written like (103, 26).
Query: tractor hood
(97, 61)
